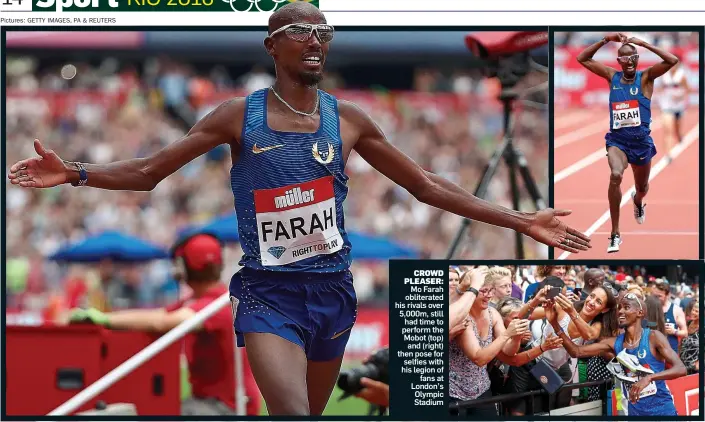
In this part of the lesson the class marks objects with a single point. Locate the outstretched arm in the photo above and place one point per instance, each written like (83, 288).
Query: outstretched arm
(669, 60)
(433, 190)
(139, 174)
(599, 69)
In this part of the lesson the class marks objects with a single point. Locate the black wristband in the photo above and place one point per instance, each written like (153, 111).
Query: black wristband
(473, 290)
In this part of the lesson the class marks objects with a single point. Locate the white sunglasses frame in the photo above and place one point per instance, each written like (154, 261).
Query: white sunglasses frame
(314, 28)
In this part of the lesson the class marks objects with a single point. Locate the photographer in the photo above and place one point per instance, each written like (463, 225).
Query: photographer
(369, 382)
(374, 392)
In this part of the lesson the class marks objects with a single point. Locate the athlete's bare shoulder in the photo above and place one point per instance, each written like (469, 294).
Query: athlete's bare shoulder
(227, 119)
(356, 123)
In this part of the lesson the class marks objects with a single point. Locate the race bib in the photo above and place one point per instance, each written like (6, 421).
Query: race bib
(296, 222)
(625, 114)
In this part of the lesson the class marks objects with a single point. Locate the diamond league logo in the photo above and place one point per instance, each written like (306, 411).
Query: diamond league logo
(274, 4)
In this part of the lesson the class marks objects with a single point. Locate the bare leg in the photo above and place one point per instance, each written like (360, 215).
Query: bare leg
(618, 163)
(321, 378)
(279, 367)
(670, 129)
(641, 181)
(677, 129)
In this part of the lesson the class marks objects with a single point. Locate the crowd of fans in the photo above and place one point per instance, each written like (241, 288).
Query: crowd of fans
(511, 309)
(448, 121)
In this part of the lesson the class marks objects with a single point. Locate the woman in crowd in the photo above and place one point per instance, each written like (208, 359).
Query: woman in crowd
(463, 293)
(690, 346)
(655, 318)
(595, 316)
(484, 338)
(505, 369)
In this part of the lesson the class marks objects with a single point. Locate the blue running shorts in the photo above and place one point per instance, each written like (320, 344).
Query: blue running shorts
(315, 311)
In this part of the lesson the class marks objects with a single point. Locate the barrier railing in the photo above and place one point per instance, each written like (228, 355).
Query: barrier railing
(147, 353)
(603, 384)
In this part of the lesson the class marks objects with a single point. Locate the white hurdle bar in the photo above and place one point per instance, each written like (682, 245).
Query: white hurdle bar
(144, 355)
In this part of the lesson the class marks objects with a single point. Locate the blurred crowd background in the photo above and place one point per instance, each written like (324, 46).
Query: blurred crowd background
(123, 95)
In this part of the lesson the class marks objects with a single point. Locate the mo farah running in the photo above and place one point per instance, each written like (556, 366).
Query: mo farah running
(629, 140)
(290, 144)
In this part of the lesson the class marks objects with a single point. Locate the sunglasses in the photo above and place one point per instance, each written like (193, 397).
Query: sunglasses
(634, 297)
(627, 59)
(301, 32)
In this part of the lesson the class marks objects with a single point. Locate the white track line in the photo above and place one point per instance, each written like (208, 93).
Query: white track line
(580, 201)
(588, 161)
(579, 116)
(688, 140)
(653, 233)
(581, 134)
(576, 167)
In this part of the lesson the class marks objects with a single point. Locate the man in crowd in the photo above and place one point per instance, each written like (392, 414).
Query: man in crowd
(210, 348)
(674, 315)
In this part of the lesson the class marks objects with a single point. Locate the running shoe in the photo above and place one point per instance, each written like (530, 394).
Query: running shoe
(615, 241)
(639, 210)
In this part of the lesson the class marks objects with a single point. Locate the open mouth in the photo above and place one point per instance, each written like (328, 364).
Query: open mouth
(312, 61)
(631, 67)
(622, 320)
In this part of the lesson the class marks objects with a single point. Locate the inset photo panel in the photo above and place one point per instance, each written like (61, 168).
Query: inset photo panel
(626, 140)
(602, 339)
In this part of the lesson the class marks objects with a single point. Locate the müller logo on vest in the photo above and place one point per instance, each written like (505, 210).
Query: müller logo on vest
(296, 222)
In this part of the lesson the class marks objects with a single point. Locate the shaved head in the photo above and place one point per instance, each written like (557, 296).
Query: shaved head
(626, 49)
(295, 12)
(593, 277)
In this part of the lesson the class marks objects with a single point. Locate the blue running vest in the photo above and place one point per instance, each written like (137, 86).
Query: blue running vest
(660, 403)
(289, 190)
(630, 110)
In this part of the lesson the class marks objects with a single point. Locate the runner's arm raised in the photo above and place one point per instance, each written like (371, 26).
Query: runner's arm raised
(599, 69)
(669, 60)
(139, 174)
(436, 191)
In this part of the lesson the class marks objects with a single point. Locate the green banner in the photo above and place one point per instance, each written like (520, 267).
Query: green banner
(161, 5)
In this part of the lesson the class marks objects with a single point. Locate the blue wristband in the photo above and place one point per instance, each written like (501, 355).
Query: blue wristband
(82, 174)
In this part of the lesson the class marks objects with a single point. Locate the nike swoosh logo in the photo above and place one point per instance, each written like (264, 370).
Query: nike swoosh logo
(257, 150)
(342, 332)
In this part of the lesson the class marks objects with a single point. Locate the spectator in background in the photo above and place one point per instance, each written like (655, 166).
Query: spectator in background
(654, 317)
(501, 278)
(462, 297)
(511, 374)
(673, 314)
(210, 349)
(517, 292)
(690, 346)
(471, 351)
(543, 271)
(592, 278)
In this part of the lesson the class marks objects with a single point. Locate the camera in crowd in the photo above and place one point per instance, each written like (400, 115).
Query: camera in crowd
(376, 367)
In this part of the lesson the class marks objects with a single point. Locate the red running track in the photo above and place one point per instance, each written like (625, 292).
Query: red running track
(671, 229)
